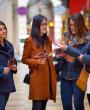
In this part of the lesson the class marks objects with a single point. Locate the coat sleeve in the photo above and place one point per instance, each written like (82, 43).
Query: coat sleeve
(27, 54)
(86, 59)
(72, 51)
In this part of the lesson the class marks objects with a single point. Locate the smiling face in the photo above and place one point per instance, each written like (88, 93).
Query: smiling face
(3, 32)
(43, 27)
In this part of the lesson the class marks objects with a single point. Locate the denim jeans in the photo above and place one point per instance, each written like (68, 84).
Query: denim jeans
(3, 100)
(70, 94)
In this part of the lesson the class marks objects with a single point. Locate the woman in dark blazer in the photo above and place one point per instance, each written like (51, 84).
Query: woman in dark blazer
(7, 67)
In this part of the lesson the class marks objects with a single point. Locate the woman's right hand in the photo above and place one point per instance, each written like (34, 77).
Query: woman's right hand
(6, 70)
(41, 55)
(41, 61)
(61, 44)
(13, 67)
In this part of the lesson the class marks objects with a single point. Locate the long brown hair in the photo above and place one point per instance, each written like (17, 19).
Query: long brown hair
(79, 23)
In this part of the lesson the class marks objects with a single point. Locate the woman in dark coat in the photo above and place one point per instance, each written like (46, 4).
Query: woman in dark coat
(71, 66)
(83, 56)
(35, 55)
(7, 67)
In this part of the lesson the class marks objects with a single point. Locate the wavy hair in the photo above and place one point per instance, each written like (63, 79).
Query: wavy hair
(79, 23)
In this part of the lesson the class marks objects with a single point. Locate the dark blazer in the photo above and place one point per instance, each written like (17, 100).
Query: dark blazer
(6, 81)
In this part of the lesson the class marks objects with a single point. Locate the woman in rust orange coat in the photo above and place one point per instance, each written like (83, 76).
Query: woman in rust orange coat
(36, 55)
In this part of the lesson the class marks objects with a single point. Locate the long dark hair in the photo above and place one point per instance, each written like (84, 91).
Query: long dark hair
(35, 31)
(79, 23)
(2, 23)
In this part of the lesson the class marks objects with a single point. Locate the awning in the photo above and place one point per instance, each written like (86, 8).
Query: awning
(75, 6)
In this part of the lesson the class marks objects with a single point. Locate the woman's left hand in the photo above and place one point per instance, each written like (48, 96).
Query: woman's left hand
(13, 67)
(41, 61)
(60, 44)
(41, 55)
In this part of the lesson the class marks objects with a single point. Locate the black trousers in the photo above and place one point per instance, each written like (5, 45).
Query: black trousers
(39, 104)
(88, 97)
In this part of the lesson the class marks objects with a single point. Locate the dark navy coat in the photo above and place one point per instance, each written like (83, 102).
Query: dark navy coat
(6, 81)
(71, 69)
(86, 54)
(86, 58)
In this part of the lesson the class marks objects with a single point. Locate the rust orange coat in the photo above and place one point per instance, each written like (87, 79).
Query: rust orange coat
(41, 75)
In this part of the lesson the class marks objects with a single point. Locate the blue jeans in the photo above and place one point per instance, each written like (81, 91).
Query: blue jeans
(3, 100)
(70, 91)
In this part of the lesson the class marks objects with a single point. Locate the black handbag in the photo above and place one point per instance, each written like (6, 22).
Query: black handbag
(27, 79)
